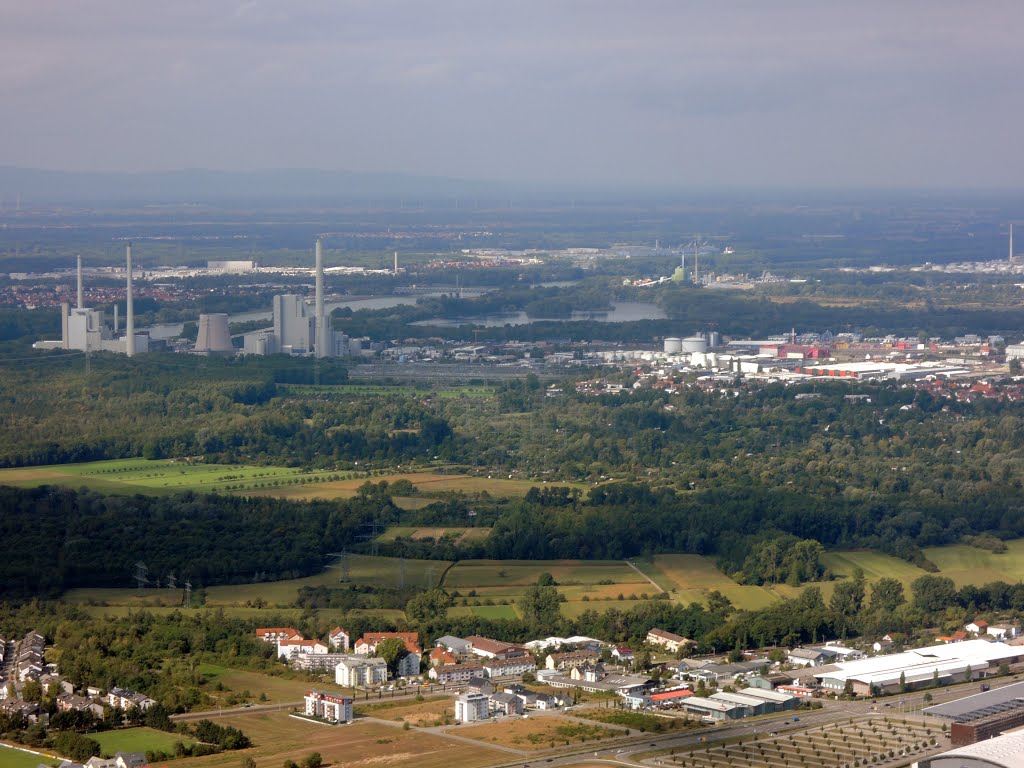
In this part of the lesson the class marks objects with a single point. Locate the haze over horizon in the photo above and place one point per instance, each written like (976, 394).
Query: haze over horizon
(793, 93)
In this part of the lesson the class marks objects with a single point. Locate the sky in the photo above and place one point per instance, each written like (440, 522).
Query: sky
(678, 93)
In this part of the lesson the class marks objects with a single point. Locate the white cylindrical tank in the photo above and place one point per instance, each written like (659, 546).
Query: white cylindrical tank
(695, 344)
(213, 334)
(673, 345)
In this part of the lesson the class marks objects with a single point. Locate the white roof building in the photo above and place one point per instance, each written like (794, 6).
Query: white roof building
(1006, 751)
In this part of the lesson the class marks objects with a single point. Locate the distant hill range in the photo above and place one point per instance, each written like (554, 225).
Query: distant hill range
(35, 186)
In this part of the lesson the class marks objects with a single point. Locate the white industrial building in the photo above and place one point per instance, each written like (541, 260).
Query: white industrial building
(919, 667)
(1006, 751)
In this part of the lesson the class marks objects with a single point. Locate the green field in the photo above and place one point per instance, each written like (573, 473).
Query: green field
(362, 569)
(969, 565)
(423, 533)
(522, 573)
(16, 758)
(165, 476)
(162, 476)
(380, 390)
(137, 740)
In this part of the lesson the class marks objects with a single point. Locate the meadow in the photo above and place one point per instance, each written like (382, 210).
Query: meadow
(137, 740)
(166, 476)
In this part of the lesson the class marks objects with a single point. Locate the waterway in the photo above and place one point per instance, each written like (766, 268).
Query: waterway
(621, 312)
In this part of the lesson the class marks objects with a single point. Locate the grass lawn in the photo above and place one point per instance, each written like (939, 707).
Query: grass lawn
(469, 574)
(495, 611)
(420, 534)
(16, 758)
(137, 740)
(363, 744)
(279, 690)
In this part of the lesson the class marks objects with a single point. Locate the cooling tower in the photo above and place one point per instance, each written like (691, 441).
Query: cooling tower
(213, 334)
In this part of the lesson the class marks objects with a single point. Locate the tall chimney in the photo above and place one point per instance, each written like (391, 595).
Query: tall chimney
(319, 347)
(1011, 242)
(396, 263)
(81, 290)
(64, 338)
(129, 326)
(115, 318)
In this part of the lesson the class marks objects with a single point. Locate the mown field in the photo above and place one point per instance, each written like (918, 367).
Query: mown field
(164, 476)
(16, 758)
(137, 740)
(491, 588)
(537, 733)
(360, 569)
(278, 738)
(459, 535)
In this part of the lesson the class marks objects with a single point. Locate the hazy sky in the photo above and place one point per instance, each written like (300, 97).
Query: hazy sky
(679, 92)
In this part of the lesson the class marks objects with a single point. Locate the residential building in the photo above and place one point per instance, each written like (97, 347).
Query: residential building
(329, 706)
(506, 704)
(288, 649)
(1003, 631)
(471, 707)
(317, 662)
(361, 670)
(367, 644)
(516, 665)
(480, 685)
(338, 639)
(623, 654)
(273, 634)
(440, 656)
(130, 759)
(977, 627)
(127, 699)
(669, 641)
(455, 674)
(570, 659)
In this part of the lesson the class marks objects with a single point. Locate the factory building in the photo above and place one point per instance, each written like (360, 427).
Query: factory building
(293, 327)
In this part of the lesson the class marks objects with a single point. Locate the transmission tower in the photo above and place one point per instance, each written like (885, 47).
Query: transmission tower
(188, 594)
(345, 566)
(172, 581)
(141, 574)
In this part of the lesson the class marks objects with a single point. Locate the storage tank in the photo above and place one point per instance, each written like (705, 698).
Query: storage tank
(213, 334)
(673, 345)
(695, 344)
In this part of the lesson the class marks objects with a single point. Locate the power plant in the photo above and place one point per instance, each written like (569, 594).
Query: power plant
(214, 337)
(85, 329)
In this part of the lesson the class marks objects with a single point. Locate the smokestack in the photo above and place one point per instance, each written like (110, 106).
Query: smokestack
(81, 290)
(129, 326)
(115, 318)
(319, 347)
(64, 311)
(1011, 242)
(396, 263)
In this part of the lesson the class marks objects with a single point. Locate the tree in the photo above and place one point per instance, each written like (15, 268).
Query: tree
(248, 762)
(903, 683)
(540, 606)
(887, 595)
(392, 650)
(429, 606)
(933, 593)
(313, 760)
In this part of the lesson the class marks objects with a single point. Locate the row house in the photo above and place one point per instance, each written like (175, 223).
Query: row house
(517, 665)
(455, 674)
